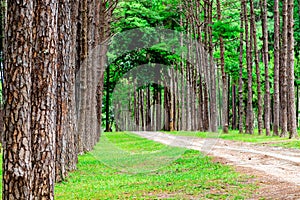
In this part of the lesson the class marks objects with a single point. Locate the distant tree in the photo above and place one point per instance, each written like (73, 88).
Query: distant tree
(283, 71)
(264, 14)
(241, 109)
(248, 39)
(290, 71)
(276, 104)
(225, 121)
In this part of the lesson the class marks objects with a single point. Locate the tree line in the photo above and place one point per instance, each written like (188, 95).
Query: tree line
(247, 76)
(51, 75)
(240, 74)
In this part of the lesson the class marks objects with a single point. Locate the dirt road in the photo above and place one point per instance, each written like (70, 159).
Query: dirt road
(276, 169)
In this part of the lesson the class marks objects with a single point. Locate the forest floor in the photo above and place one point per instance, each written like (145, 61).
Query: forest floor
(276, 169)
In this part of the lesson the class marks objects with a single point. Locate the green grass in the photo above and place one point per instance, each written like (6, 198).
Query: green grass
(232, 135)
(290, 144)
(190, 175)
(235, 136)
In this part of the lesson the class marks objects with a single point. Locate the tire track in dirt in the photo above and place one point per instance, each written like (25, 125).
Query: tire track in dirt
(277, 169)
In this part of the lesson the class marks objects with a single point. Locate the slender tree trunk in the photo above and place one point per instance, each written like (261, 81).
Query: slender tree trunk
(148, 111)
(290, 71)
(142, 109)
(82, 76)
(276, 100)
(249, 115)
(107, 99)
(213, 92)
(241, 109)
(283, 70)
(297, 105)
(225, 121)
(264, 11)
(255, 49)
(234, 115)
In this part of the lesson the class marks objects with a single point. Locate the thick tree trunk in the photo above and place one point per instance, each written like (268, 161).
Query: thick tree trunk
(43, 99)
(17, 150)
(72, 120)
(64, 33)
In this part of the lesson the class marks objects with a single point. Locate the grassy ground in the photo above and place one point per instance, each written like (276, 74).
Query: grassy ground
(189, 175)
(235, 136)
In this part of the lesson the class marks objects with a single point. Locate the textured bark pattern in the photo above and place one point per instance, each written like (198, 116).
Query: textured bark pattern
(256, 61)
(213, 91)
(249, 114)
(241, 111)
(64, 33)
(72, 125)
(82, 77)
(276, 68)
(283, 75)
(17, 87)
(290, 71)
(264, 11)
(224, 78)
(43, 99)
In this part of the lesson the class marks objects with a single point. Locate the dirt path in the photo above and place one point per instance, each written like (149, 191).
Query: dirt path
(276, 169)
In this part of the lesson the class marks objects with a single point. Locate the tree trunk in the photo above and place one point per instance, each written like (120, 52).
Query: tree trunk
(276, 100)
(234, 115)
(264, 11)
(17, 150)
(82, 77)
(283, 70)
(64, 33)
(72, 121)
(249, 114)
(225, 118)
(241, 111)
(290, 71)
(255, 49)
(107, 99)
(43, 99)
(213, 92)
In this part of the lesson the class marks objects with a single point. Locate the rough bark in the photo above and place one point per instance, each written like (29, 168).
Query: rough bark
(249, 114)
(64, 33)
(256, 61)
(276, 100)
(290, 71)
(224, 77)
(16, 144)
(267, 114)
(43, 99)
(213, 92)
(82, 76)
(283, 75)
